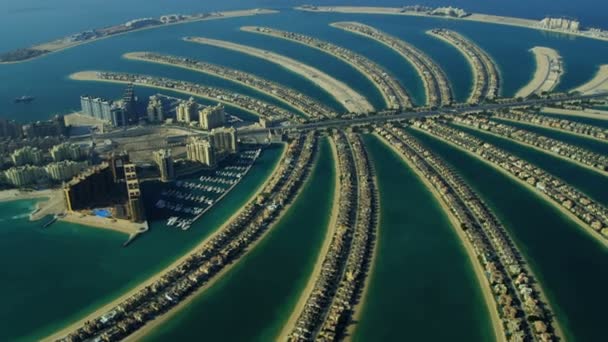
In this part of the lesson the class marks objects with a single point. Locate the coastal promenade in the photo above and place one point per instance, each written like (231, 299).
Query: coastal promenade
(590, 215)
(153, 300)
(39, 50)
(344, 94)
(598, 84)
(246, 103)
(394, 94)
(561, 125)
(293, 98)
(560, 149)
(51, 202)
(514, 298)
(437, 88)
(485, 71)
(549, 70)
(329, 304)
(476, 17)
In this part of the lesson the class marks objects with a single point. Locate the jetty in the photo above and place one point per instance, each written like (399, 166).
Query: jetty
(344, 94)
(436, 85)
(485, 72)
(394, 94)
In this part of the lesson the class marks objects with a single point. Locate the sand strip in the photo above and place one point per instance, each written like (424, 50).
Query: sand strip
(598, 84)
(484, 285)
(585, 113)
(314, 275)
(349, 98)
(596, 236)
(60, 44)
(549, 152)
(109, 306)
(549, 70)
(477, 17)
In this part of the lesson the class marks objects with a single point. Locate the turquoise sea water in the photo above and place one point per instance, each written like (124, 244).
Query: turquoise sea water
(55, 275)
(590, 182)
(591, 144)
(423, 286)
(567, 261)
(260, 292)
(97, 269)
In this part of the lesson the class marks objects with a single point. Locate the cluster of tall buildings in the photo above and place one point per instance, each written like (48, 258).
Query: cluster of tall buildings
(31, 165)
(28, 175)
(10, 129)
(220, 143)
(562, 24)
(119, 113)
(208, 117)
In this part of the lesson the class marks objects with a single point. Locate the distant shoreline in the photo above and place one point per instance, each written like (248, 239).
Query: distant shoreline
(476, 17)
(57, 45)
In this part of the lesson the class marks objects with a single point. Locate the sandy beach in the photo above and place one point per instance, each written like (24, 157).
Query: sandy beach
(52, 204)
(594, 234)
(484, 285)
(60, 45)
(477, 17)
(385, 96)
(121, 226)
(349, 98)
(331, 229)
(108, 307)
(149, 327)
(586, 113)
(549, 70)
(92, 76)
(598, 84)
(557, 155)
(138, 56)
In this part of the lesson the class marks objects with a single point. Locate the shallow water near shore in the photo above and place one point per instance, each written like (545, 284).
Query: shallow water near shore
(54, 276)
(568, 262)
(259, 293)
(423, 282)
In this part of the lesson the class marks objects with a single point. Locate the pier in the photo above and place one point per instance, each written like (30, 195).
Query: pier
(485, 71)
(436, 85)
(349, 98)
(392, 91)
(310, 107)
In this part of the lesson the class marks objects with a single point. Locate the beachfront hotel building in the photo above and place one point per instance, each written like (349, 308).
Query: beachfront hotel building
(135, 204)
(201, 150)
(186, 110)
(91, 188)
(212, 117)
(224, 140)
(155, 110)
(164, 160)
(27, 156)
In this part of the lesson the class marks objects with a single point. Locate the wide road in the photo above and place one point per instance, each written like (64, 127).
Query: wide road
(409, 115)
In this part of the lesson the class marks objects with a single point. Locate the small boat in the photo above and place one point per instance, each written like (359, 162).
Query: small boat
(24, 99)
